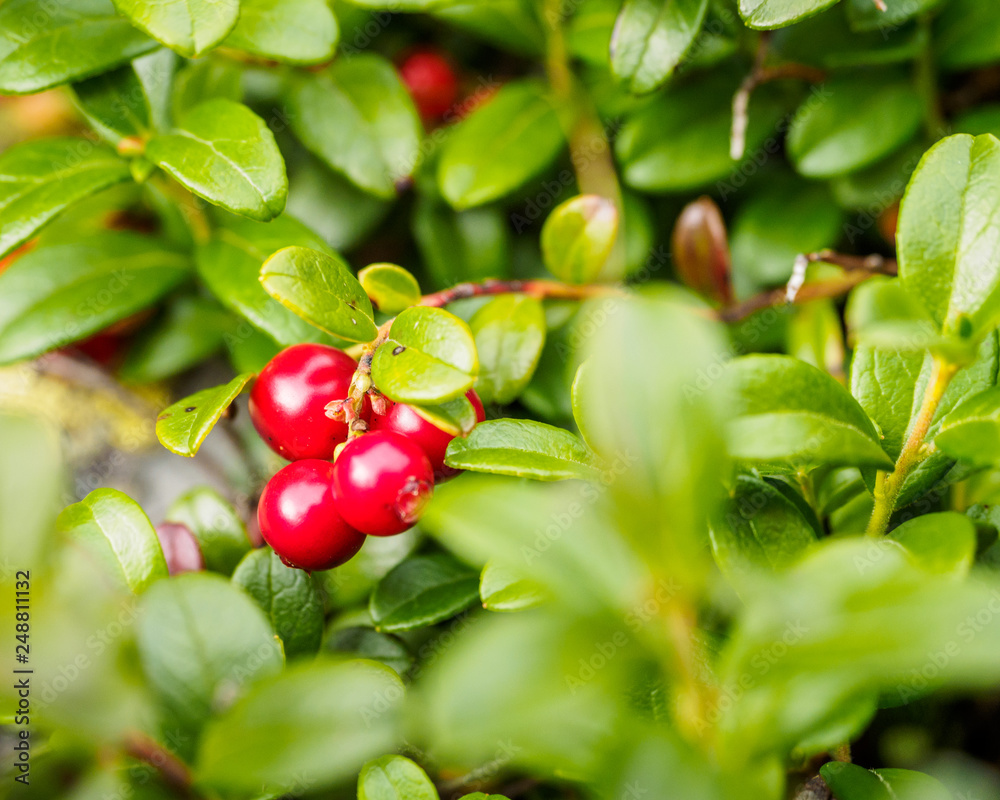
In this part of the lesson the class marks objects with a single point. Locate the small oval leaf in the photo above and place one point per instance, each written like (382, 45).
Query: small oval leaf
(188, 26)
(182, 427)
(321, 289)
(394, 777)
(502, 590)
(578, 236)
(422, 591)
(510, 333)
(390, 288)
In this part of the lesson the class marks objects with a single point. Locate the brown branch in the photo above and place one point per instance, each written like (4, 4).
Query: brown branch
(173, 771)
(542, 289)
(759, 75)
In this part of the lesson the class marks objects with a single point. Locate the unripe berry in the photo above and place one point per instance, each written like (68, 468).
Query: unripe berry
(382, 481)
(431, 82)
(300, 519)
(288, 401)
(406, 420)
(180, 548)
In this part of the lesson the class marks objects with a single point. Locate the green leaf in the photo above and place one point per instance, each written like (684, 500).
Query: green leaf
(191, 330)
(115, 103)
(67, 41)
(182, 427)
(943, 543)
(851, 782)
(359, 118)
(859, 121)
(510, 24)
(523, 448)
(680, 139)
(790, 415)
(394, 778)
(364, 642)
(202, 642)
(766, 14)
(578, 236)
(456, 417)
(294, 31)
(41, 179)
(651, 37)
(61, 293)
(950, 259)
(390, 288)
(510, 333)
(500, 146)
(220, 532)
(501, 589)
(320, 288)
(188, 26)
(460, 246)
(205, 79)
(758, 527)
(972, 430)
(113, 527)
(967, 35)
(289, 597)
(313, 710)
(429, 357)
(225, 153)
(865, 15)
(230, 266)
(422, 591)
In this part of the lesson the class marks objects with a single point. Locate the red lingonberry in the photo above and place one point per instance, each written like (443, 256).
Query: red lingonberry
(431, 82)
(289, 397)
(407, 421)
(300, 519)
(382, 481)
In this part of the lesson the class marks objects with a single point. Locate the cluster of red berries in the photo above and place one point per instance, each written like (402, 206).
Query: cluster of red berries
(314, 513)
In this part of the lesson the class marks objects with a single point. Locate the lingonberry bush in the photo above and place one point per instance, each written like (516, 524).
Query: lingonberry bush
(604, 398)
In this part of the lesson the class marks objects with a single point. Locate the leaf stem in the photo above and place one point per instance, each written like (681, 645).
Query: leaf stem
(172, 770)
(888, 485)
(927, 82)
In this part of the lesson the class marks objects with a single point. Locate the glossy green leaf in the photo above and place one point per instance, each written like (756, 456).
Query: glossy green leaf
(766, 14)
(289, 598)
(510, 333)
(61, 293)
(758, 527)
(650, 39)
(191, 330)
(500, 146)
(230, 263)
(680, 139)
(182, 427)
(202, 80)
(294, 31)
(501, 589)
(456, 417)
(972, 430)
(314, 710)
(852, 782)
(461, 246)
(188, 26)
(363, 642)
(394, 778)
(859, 121)
(225, 153)
(390, 288)
(943, 543)
(422, 591)
(865, 15)
(220, 532)
(115, 103)
(949, 259)
(524, 448)
(41, 179)
(202, 643)
(790, 415)
(967, 34)
(578, 236)
(67, 41)
(113, 527)
(359, 119)
(320, 288)
(429, 357)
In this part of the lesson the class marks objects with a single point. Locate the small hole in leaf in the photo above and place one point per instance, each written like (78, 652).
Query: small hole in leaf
(398, 350)
(190, 408)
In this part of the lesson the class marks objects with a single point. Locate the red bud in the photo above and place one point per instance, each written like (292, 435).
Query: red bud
(700, 250)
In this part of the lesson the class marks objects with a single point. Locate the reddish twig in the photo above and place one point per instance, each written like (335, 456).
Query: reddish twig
(173, 771)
